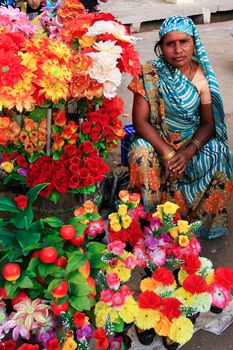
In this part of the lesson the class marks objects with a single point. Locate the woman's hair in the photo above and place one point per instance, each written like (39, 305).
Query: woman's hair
(157, 47)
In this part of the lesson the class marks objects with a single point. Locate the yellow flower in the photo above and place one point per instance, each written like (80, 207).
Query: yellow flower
(129, 310)
(102, 316)
(182, 274)
(157, 214)
(210, 278)
(170, 208)
(122, 209)
(113, 216)
(69, 344)
(183, 241)
(183, 226)
(123, 273)
(163, 326)
(181, 330)
(185, 297)
(7, 166)
(126, 221)
(147, 318)
(115, 225)
(174, 233)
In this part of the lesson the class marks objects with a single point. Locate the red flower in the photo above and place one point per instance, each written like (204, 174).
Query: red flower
(101, 338)
(86, 147)
(191, 263)
(61, 179)
(26, 346)
(74, 182)
(22, 162)
(70, 149)
(11, 68)
(79, 319)
(195, 284)
(86, 127)
(171, 308)
(176, 217)
(8, 345)
(164, 276)
(130, 60)
(21, 202)
(149, 300)
(53, 344)
(224, 276)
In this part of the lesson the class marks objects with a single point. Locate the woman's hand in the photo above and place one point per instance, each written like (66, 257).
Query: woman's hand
(178, 163)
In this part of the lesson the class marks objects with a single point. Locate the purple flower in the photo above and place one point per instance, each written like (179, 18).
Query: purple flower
(155, 224)
(164, 238)
(151, 243)
(115, 343)
(85, 332)
(44, 338)
(22, 171)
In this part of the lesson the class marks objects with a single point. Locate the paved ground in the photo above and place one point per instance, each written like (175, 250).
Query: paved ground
(219, 46)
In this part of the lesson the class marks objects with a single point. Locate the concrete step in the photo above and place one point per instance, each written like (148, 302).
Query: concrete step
(135, 12)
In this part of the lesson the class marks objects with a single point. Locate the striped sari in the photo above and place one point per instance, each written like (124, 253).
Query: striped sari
(207, 183)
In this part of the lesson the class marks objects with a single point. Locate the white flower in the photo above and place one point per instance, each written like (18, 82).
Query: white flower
(202, 302)
(116, 29)
(109, 46)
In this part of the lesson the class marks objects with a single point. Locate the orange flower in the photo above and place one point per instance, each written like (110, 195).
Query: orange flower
(124, 195)
(89, 206)
(154, 179)
(148, 284)
(214, 203)
(134, 198)
(29, 148)
(79, 211)
(94, 89)
(163, 326)
(59, 118)
(229, 186)
(81, 64)
(30, 125)
(34, 137)
(23, 137)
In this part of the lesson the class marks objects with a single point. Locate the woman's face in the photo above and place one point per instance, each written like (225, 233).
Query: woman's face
(34, 4)
(177, 48)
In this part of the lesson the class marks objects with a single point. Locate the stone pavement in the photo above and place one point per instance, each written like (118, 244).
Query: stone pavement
(135, 12)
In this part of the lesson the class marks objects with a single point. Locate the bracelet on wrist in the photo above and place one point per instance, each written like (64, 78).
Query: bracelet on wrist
(196, 144)
(168, 155)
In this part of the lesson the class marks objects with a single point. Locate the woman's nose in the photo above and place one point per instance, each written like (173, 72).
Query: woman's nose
(177, 47)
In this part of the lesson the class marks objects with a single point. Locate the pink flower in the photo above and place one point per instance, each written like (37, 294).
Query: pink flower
(95, 227)
(118, 300)
(116, 247)
(124, 290)
(18, 329)
(130, 262)
(158, 256)
(113, 280)
(221, 296)
(106, 296)
(141, 255)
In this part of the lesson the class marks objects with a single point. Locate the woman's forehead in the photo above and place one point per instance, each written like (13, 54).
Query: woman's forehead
(176, 35)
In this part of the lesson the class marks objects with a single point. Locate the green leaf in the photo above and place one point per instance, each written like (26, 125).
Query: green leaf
(96, 247)
(33, 193)
(118, 327)
(46, 269)
(76, 260)
(96, 262)
(54, 196)
(53, 221)
(11, 289)
(27, 239)
(37, 114)
(7, 204)
(80, 303)
(33, 264)
(25, 282)
(79, 227)
(80, 288)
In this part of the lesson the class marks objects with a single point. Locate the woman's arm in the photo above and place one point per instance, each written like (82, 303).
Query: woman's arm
(141, 122)
(203, 134)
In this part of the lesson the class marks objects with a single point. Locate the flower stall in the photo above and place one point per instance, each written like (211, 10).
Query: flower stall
(84, 281)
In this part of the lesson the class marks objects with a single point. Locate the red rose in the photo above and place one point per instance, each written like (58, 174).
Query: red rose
(65, 159)
(22, 162)
(86, 127)
(15, 155)
(53, 344)
(8, 345)
(70, 149)
(75, 159)
(21, 201)
(61, 180)
(88, 181)
(74, 182)
(95, 135)
(83, 173)
(86, 147)
(92, 163)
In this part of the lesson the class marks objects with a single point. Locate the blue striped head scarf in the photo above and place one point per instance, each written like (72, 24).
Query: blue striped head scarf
(185, 24)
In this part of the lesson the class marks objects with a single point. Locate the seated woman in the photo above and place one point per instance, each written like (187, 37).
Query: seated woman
(181, 153)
